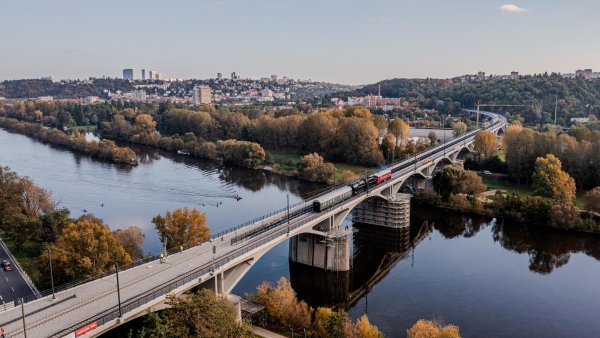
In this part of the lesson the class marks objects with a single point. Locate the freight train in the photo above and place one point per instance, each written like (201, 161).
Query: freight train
(339, 195)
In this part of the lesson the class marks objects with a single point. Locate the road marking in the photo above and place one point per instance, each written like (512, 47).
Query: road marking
(12, 289)
(6, 278)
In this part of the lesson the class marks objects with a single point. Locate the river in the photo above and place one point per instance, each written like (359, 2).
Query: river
(489, 278)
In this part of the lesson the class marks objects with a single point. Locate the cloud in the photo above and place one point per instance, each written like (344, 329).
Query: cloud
(510, 8)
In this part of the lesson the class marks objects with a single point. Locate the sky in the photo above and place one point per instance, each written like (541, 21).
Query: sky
(342, 41)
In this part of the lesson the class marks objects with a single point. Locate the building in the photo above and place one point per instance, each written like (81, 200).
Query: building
(138, 95)
(266, 92)
(273, 77)
(584, 74)
(128, 74)
(202, 95)
(584, 120)
(219, 76)
(47, 78)
(514, 75)
(481, 75)
(143, 74)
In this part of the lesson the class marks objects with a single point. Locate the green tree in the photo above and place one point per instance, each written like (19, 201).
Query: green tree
(199, 315)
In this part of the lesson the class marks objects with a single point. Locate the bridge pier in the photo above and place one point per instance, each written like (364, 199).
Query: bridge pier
(393, 212)
(330, 251)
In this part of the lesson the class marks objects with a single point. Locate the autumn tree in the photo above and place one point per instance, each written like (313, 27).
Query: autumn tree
(485, 144)
(349, 176)
(199, 314)
(145, 130)
(181, 226)
(455, 180)
(429, 329)
(362, 329)
(549, 180)
(283, 306)
(242, 153)
(564, 215)
(132, 240)
(459, 128)
(86, 248)
(433, 138)
(399, 129)
(389, 147)
(357, 141)
(313, 168)
(380, 123)
(592, 200)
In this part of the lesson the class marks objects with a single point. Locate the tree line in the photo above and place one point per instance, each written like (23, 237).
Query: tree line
(104, 149)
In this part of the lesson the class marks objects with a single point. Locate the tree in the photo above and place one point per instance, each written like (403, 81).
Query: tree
(429, 329)
(399, 129)
(283, 306)
(485, 144)
(181, 226)
(132, 240)
(564, 215)
(86, 248)
(313, 168)
(349, 176)
(201, 314)
(549, 180)
(455, 180)
(363, 329)
(380, 122)
(433, 138)
(322, 317)
(592, 200)
(459, 128)
(389, 147)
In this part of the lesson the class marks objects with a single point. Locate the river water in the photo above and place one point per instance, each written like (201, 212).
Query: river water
(489, 278)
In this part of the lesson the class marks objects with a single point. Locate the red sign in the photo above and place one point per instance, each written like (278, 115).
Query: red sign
(86, 329)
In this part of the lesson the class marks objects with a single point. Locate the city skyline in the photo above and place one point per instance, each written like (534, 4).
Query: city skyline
(343, 42)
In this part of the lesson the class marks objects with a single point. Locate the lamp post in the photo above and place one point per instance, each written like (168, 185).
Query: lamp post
(23, 316)
(118, 289)
(51, 273)
(288, 214)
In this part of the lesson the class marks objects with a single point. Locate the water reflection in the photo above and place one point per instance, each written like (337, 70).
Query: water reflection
(253, 180)
(548, 249)
(376, 251)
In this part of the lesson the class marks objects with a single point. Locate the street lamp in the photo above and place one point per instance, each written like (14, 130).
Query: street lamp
(118, 289)
(51, 274)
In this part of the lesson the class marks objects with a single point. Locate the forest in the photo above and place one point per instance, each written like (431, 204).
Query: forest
(539, 93)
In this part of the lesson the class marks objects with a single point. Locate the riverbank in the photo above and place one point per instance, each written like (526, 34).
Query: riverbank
(104, 149)
(523, 210)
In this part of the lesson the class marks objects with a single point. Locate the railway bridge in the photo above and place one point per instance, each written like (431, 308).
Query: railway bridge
(94, 307)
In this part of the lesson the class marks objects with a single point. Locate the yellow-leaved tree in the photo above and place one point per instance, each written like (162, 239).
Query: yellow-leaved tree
(549, 180)
(181, 226)
(283, 306)
(485, 144)
(428, 329)
(86, 248)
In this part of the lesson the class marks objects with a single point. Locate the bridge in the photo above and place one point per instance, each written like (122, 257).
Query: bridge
(94, 307)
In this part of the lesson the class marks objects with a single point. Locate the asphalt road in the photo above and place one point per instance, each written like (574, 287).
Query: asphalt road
(12, 284)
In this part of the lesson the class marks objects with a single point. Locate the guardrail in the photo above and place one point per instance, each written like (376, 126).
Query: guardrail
(165, 288)
(21, 270)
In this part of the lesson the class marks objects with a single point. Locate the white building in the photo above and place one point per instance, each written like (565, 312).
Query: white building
(266, 92)
(202, 95)
(138, 95)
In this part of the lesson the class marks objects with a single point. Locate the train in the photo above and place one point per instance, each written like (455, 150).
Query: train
(326, 201)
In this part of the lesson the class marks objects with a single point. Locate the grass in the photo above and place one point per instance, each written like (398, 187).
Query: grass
(288, 163)
(494, 182)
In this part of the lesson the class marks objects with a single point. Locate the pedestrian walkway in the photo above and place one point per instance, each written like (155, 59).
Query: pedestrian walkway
(265, 333)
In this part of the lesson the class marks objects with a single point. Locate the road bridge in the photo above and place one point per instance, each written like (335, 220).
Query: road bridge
(92, 308)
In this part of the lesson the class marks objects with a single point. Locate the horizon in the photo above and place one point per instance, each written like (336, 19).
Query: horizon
(341, 42)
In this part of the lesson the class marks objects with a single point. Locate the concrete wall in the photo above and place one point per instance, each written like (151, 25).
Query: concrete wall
(321, 252)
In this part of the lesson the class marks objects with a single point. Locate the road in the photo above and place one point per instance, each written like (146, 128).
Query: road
(12, 283)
